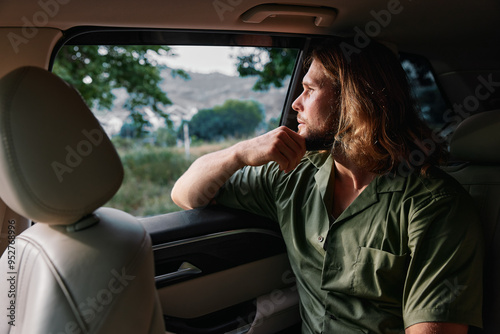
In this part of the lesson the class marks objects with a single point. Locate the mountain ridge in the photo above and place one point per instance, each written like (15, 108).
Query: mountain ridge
(201, 91)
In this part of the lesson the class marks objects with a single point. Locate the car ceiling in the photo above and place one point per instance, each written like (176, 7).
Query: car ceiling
(454, 35)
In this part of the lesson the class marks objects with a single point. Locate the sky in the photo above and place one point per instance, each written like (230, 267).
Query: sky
(204, 59)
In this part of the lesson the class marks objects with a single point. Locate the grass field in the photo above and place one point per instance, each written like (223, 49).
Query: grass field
(150, 173)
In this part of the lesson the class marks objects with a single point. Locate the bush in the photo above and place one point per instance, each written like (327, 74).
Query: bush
(234, 118)
(150, 173)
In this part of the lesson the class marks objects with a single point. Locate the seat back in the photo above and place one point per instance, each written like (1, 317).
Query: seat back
(477, 142)
(80, 268)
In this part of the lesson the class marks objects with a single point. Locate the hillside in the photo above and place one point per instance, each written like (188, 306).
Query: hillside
(200, 92)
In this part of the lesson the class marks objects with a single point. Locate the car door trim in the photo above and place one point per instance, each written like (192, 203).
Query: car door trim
(214, 236)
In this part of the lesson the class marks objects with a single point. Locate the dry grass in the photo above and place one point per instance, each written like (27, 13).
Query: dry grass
(150, 173)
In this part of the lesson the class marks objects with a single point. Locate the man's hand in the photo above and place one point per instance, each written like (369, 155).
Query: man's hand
(281, 145)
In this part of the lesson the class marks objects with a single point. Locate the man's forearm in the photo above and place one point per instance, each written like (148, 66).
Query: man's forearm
(201, 182)
(437, 328)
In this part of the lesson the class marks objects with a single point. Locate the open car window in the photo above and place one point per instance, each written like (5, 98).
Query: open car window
(163, 106)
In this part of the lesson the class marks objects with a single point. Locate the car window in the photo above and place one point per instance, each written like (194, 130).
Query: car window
(426, 92)
(164, 106)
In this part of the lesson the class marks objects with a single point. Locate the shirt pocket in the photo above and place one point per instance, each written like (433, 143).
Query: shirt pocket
(379, 275)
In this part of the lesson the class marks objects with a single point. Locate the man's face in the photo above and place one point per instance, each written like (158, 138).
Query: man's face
(315, 109)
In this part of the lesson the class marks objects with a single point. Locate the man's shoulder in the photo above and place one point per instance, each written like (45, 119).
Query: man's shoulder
(309, 166)
(310, 163)
(435, 186)
(435, 180)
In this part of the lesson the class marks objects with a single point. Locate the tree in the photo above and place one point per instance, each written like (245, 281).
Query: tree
(165, 136)
(96, 70)
(271, 65)
(128, 130)
(273, 123)
(232, 119)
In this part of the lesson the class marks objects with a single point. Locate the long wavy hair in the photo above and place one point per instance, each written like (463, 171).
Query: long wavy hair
(379, 126)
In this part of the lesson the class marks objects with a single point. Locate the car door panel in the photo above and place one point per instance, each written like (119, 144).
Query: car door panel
(220, 270)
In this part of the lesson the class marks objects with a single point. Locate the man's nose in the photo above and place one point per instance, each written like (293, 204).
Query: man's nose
(297, 104)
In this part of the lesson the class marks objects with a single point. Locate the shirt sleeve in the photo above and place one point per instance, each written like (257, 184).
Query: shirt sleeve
(444, 280)
(251, 189)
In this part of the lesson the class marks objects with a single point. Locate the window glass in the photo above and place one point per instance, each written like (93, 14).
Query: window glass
(425, 90)
(165, 106)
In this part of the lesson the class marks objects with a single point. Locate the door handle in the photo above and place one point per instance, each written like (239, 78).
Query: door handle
(186, 269)
(323, 17)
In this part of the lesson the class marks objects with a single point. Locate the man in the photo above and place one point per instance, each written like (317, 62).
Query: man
(380, 240)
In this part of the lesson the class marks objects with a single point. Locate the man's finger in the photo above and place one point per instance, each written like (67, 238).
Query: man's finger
(297, 144)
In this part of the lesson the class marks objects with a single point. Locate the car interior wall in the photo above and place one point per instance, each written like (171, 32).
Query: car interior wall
(22, 46)
(219, 15)
(11, 224)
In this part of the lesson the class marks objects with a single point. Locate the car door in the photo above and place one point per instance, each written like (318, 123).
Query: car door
(217, 270)
(222, 271)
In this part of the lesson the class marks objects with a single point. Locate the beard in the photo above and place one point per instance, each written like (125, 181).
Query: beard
(320, 141)
(324, 138)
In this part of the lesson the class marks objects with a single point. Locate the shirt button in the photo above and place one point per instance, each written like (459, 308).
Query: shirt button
(321, 238)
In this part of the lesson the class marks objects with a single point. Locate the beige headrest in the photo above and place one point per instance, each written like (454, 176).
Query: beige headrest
(57, 165)
(477, 138)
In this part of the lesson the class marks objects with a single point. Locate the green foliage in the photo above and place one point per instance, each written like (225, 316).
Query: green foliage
(128, 130)
(232, 119)
(273, 123)
(150, 173)
(165, 136)
(154, 164)
(96, 70)
(271, 65)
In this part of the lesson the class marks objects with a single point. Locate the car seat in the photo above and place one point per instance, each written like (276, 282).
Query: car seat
(80, 268)
(476, 142)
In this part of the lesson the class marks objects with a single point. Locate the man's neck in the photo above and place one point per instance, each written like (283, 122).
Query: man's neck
(347, 173)
(349, 182)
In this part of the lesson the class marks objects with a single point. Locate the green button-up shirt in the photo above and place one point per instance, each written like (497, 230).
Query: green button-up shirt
(407, 249)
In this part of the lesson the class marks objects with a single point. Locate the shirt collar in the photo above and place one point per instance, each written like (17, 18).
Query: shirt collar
(323, 161)
(318, 158)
